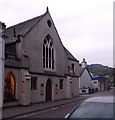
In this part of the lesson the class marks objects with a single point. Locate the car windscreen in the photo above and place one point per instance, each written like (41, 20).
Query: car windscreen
(93, 110)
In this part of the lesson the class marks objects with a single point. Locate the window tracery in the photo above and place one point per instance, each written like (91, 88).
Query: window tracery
(48, 53)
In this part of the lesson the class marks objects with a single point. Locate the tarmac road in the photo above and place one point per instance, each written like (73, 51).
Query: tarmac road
(48, 108)
(61, 111)
(57, 112)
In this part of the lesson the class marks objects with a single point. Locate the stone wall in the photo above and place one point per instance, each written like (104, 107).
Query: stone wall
(1, 67)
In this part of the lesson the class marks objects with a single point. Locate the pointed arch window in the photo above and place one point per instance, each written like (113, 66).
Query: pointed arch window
(48, 53)
(9, 88)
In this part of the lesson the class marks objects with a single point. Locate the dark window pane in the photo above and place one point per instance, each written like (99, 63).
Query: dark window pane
(46, 63)
(68, 69)
(61, 83)
(50, 64)
(46, 52)
(45, 41)
(49, 23)
(73, 68)
(48, 38)
(43, 51)
(49, 53)
(50, 44)
(52, 54)
(33, 83)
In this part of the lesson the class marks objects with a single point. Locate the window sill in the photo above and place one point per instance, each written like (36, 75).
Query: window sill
(50, 72)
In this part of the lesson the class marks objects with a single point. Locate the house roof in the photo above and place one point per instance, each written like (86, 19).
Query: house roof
(99, 78)
(70, 56)
(81, 70)
(23, 28)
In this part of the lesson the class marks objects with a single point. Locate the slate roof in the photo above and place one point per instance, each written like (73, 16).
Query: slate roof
(23, 28)
(70, 56)
(80, 71)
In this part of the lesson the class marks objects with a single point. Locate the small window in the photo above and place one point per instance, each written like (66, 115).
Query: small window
(73, 68)
(95, 82)
(33, 83)
(49, 23)
(68, 69)
(42, 85)
(61, 83)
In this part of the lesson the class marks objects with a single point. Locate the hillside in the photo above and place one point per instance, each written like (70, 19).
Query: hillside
(98, 69)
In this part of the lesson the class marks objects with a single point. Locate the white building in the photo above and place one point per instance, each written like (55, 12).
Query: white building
(84, 78)
(99, 83)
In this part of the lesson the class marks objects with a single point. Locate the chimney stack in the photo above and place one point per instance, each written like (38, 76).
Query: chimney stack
(84, 63)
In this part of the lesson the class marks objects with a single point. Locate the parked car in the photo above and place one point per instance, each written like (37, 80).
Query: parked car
(94, 107)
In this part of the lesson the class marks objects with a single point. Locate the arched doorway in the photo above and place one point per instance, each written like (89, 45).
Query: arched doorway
(48, 90)
(9, 88)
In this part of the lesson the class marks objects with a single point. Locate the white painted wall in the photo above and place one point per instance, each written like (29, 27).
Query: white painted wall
(85, 80)
(95, 85)
(1, 69)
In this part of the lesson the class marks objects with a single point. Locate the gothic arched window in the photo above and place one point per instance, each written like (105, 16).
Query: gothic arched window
(9, 88)
(48, 53)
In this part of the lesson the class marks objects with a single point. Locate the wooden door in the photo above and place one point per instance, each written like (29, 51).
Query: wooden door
(48, 90)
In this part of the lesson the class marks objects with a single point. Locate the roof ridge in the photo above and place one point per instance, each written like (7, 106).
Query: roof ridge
(24, 27)
(36, 21)
(27, 20)
(69, 53)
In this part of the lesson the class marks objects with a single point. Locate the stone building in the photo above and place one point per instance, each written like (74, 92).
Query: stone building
(2, 36)
(38, 67)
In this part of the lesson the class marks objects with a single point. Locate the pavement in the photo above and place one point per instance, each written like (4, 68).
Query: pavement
(15, 111)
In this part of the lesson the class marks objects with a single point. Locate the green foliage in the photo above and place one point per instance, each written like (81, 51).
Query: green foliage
(114, 76)
(100, 70)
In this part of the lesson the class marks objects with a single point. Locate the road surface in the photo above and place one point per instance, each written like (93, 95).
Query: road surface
(61, 111)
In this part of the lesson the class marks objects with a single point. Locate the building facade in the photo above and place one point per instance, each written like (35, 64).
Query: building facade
(38, 68)
(100, 83)
(85, 82)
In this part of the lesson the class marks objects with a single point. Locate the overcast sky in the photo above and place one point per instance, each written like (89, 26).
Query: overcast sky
(84, 26)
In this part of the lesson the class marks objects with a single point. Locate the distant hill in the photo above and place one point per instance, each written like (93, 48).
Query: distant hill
(98, 69)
